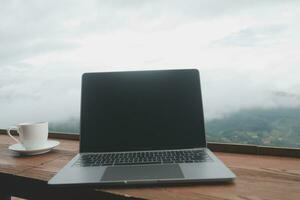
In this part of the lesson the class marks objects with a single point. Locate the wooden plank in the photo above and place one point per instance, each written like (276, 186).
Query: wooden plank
(258, 177)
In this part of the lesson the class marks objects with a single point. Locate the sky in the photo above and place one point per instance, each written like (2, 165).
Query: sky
(247, 51)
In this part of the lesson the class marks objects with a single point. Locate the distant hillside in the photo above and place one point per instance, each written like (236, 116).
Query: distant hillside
(68, 126)
(272, 127)
(275, 127)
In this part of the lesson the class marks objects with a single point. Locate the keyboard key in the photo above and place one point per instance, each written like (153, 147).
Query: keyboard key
(141, 163)
(136, 158)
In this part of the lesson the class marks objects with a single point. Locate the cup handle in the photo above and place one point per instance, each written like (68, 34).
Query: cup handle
(8, 132)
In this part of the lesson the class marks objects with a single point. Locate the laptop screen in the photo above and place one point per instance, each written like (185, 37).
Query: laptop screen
(141, 110)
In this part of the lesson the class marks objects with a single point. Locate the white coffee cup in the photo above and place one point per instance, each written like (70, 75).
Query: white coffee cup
(32, 135)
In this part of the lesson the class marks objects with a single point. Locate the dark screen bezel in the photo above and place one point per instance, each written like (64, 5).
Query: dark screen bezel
(195, 72)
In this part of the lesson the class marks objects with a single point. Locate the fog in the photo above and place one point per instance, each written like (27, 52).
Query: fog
(247, 51)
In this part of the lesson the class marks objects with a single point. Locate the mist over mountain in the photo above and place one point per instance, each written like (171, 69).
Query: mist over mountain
(247, 53)
(71, 125)
(269, 127)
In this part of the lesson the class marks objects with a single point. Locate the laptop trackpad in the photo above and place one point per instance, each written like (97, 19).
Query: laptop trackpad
(142, 172)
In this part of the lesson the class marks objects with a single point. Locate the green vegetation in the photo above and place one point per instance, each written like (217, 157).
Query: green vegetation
(269, 127)
(68, 126)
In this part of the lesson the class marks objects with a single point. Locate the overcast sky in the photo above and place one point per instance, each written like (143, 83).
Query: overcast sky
(248, 52)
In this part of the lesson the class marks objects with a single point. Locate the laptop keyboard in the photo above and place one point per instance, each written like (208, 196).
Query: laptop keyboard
(141, 158)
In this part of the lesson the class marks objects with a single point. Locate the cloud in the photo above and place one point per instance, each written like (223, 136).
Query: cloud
(31, 27)
(286, 98)
(254, 36)
(245, 50)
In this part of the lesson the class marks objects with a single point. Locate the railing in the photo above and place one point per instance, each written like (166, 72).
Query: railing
(214, 146)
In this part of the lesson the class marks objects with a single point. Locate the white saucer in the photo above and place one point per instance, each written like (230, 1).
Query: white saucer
(50, 144)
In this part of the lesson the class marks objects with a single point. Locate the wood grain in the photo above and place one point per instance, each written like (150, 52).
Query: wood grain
(258, 177)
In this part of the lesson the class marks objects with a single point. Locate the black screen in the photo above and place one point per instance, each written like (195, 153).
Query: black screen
(141, 110)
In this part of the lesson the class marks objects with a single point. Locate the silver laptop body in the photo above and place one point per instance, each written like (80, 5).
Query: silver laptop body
(142, 127)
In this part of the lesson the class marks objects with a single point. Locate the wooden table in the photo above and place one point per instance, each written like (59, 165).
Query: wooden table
(258, 177)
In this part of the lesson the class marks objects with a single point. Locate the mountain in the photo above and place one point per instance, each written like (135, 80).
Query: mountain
(271, 127)
(66, 126)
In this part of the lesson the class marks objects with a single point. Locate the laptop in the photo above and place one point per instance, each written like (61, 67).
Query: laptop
(142, 127)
